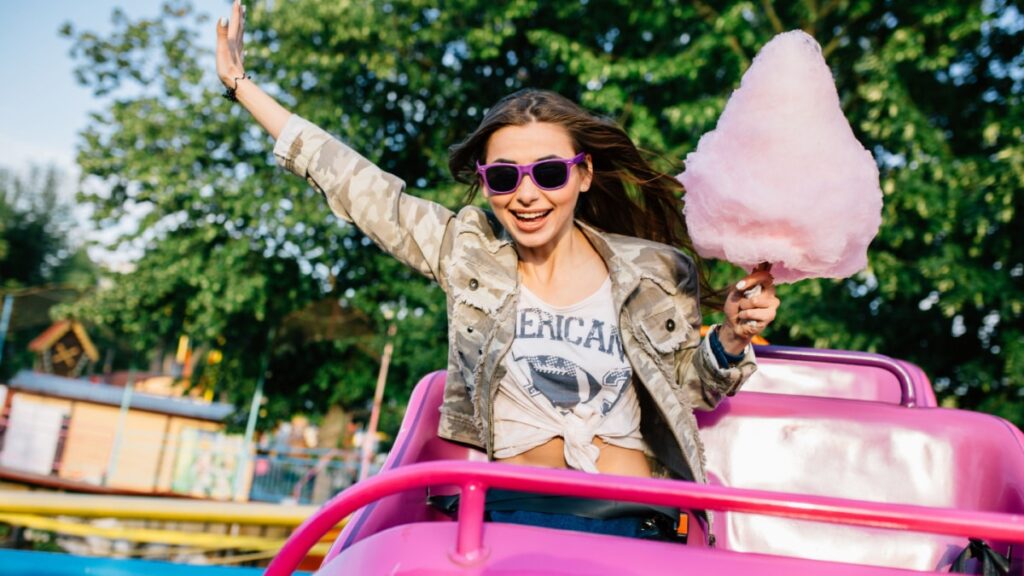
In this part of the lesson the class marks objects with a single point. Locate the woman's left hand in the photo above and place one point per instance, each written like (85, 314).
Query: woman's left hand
(746, 317)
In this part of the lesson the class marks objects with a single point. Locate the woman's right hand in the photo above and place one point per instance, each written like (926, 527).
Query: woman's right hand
(231, 47)
(231, 70)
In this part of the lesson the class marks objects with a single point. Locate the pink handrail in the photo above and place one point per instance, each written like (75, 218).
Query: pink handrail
(908, 395)
(474, 478)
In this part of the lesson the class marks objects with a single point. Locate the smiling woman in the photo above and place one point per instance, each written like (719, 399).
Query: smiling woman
(539, 216)
(574, 319)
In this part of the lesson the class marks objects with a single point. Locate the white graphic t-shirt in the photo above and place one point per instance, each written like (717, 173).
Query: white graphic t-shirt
(567, 376)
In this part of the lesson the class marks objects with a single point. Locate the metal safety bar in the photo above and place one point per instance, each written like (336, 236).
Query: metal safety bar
(908, 394)
(474, 478)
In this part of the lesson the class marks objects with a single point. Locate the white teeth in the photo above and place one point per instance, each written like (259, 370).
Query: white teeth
(530, 215)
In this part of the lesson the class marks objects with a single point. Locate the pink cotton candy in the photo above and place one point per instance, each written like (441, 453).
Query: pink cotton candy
(782, 178)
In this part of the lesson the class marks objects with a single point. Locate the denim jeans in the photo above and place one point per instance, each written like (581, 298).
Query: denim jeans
(629, 526)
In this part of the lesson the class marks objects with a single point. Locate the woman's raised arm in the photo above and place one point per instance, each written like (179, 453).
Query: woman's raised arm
(231, 70)
(409, 228)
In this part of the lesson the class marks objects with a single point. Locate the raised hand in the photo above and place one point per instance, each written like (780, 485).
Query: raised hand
(231, 71)
(231, 47)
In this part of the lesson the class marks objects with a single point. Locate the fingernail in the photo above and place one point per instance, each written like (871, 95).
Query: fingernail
(220, 21)
(741, 284)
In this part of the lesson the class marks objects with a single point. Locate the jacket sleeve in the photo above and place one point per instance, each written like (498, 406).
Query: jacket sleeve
(411, 229)
(697, 369)
(707, 382)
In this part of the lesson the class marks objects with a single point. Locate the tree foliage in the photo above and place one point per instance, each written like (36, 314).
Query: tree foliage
(41, 263)
(37, 246)
(232, 245)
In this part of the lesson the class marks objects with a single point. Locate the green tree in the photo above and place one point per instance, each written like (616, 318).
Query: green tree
(233, 246)
(35, 229)
(40, 262)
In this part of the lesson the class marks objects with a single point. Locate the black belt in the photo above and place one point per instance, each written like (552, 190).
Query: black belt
(665, 518)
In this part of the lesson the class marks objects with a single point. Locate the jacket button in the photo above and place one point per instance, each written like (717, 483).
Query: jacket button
(469, 329)
(473, 284)
(670, 325)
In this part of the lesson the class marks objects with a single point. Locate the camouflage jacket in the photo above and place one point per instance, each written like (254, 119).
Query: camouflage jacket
(654, 287)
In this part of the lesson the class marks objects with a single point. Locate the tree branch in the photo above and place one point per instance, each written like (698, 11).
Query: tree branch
(833, 43)
(827, 9)
(710, 16)
(773, 16)
(810, 26)
(812, 8)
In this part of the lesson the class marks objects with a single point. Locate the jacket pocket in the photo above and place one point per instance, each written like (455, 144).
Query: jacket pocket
(666, 328)
(479, 285)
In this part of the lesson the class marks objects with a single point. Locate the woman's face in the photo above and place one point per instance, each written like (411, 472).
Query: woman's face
(537, 219)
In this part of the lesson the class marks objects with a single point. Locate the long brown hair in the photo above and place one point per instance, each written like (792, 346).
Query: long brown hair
(627, 195)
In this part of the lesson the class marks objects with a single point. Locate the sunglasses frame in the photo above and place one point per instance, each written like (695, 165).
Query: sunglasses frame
(523, 169)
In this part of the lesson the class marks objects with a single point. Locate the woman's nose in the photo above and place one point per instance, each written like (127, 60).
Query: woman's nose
(527, 192)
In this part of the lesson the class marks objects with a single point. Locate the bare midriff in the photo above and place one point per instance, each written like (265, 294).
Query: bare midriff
(613, 459)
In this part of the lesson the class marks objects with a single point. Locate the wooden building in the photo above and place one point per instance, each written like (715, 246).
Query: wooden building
(64, 349)
(74, 434)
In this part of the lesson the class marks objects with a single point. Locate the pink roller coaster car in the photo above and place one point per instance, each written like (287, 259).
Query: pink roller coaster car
(828, 462)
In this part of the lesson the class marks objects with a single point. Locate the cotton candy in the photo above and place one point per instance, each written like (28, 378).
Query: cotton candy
(781, 178)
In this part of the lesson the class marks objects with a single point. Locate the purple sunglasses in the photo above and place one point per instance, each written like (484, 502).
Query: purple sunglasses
(550, 174)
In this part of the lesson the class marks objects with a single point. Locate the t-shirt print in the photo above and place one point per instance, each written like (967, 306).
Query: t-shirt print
(572, 356)
(567, 377)
(566, 384)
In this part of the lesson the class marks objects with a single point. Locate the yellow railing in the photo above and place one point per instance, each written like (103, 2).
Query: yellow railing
(149, 508)
(69, 513)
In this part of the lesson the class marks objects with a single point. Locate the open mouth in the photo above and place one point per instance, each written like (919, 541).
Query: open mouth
(530, 216)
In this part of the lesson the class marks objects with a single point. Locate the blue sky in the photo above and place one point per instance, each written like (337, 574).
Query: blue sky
(42, 108)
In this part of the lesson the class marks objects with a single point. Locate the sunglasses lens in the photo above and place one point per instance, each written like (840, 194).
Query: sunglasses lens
(551, 174)
(501, 179)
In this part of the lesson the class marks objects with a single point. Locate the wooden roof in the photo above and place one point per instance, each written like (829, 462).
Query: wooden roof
(85, 391)
(57, 330)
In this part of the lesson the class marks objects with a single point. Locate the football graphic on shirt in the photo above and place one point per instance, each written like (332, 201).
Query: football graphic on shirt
(561, 381)
(566, 384)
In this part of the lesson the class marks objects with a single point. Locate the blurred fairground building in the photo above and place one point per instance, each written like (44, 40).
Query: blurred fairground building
(73, 424)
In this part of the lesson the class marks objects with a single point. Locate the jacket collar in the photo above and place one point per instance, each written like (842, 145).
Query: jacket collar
(623, 273)
(628, 260)
(620, 255)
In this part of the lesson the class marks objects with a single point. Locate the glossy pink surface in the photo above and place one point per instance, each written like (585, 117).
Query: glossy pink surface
(470, 548)
(425, 548)
(839, 374)
(864, 464)
(867, 451)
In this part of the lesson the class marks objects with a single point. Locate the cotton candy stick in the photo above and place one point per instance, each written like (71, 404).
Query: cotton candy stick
(782, 179)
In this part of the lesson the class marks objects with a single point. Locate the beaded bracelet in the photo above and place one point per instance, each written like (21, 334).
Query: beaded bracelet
(230, 92)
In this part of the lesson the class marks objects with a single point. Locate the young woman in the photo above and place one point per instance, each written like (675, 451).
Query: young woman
(573, 319)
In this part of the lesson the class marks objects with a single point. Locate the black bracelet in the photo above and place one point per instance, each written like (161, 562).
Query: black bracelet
(725, 360)
(230, 92)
